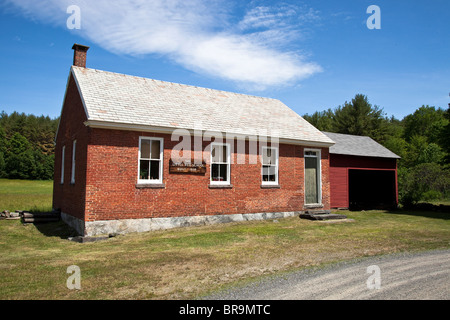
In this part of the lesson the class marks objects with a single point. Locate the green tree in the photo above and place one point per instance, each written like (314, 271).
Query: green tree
(431, 154)
(426, 121)
(419, 182)
(26, 146)
(3, 143)
(43, 166)
(322, 120)
(445, 136)
(399, 146)
(19, 162)
(20, 166)
(18, 144)
(359, 117)
(415, 146)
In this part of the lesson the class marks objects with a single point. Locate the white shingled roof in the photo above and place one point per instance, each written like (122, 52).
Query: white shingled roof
(127, 101)
(358, 146)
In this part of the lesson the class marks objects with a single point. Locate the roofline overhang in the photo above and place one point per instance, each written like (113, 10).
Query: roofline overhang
(71, 73)
(199, 132)
(366, 156)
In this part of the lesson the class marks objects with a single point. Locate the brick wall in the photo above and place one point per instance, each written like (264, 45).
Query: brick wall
(325, 167)
(111, 191)
(70, 198)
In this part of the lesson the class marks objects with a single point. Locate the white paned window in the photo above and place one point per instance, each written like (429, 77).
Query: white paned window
(269, 166)
(63, 156)
(220, 163)
(150, 160)
(74, 149)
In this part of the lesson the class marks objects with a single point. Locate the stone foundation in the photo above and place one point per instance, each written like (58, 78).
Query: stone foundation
(96, 228)
(73, 222)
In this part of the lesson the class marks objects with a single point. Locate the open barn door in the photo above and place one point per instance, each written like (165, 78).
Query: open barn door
(371, 189)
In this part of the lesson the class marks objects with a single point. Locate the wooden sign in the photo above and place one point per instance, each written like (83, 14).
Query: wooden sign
(189, 167)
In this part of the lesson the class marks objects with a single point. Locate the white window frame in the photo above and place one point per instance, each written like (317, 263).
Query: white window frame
(319, 169)
(63, 156)
(271, 183)
(74, 150)
(161, 160)
(228, 163)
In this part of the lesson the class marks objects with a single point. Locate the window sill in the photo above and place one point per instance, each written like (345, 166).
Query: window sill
(270, 186)
(220, 186)
(150, 186)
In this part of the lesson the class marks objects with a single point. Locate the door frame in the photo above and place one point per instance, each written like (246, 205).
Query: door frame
(319, 175)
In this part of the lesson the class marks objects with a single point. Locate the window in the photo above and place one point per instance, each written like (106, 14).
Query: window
(313, 193)
(150, 160)
(269, 165)
(63, 155)
(220, 163)
(74, 148)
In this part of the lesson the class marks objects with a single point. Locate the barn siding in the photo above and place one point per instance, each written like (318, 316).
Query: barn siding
(339, 187)
(346, 161)
(339, 166)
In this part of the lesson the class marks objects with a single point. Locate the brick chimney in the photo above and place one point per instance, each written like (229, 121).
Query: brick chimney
(79, 55)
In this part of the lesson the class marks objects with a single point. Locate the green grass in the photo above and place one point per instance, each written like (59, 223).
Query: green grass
(26, 195)
(190, 262)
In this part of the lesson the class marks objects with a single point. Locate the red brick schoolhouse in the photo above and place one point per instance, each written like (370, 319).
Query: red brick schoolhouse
(135, 154)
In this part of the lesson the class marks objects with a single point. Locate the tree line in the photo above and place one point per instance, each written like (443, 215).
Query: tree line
(421, 139)
(27, 146)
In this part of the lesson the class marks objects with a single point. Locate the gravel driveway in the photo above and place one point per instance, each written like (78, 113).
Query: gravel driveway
(404, 276)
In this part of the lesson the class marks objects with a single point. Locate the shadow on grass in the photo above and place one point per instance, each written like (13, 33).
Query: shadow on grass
(55, 229)
(422, 213)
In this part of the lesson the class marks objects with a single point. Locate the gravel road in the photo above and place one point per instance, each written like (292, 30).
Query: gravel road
(418, 276)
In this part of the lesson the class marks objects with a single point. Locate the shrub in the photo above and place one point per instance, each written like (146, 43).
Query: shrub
(431, 195)
(426, 181)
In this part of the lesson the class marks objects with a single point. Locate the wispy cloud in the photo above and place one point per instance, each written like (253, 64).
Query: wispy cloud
(281, 16)
(254, 51)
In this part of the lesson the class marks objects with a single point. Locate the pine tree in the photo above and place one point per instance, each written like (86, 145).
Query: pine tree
(360, 118)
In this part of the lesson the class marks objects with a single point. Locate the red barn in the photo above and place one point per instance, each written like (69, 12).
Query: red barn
(136, 154)
(363, 173)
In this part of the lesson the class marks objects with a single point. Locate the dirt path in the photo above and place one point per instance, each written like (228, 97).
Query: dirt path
(398, 276)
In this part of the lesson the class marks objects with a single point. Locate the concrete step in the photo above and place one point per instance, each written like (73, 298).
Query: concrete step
(321, 215)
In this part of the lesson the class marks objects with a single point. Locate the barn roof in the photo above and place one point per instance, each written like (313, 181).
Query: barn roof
(358, 146)
(116, 100)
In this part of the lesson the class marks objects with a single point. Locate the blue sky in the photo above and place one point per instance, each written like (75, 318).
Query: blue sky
(312, 55)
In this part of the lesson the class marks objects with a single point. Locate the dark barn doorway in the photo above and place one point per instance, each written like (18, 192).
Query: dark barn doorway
(371, 189)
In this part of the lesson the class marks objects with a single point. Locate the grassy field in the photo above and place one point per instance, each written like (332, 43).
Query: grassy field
(26, 195)
(190, 262)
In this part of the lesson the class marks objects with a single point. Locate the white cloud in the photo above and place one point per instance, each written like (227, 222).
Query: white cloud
(265, 17)
(190, 32)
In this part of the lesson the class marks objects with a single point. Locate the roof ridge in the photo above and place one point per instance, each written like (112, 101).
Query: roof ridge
(347, 134)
